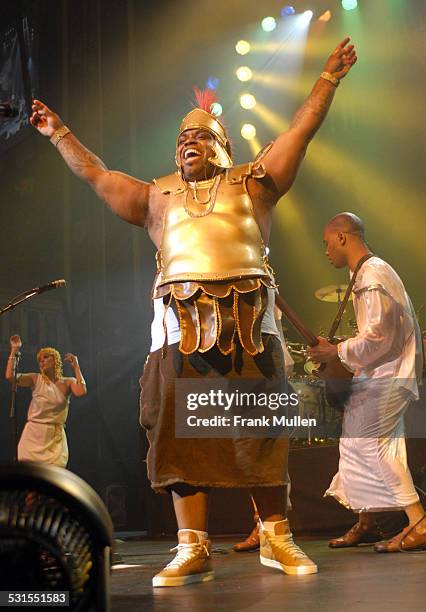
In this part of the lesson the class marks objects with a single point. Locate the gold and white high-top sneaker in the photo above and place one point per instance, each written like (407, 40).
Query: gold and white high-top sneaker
(278, 550)
(192, 562)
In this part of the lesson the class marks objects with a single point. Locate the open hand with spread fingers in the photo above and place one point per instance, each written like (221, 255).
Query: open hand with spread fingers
(342, 59)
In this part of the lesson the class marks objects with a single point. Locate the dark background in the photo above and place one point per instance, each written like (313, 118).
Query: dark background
(120, 73)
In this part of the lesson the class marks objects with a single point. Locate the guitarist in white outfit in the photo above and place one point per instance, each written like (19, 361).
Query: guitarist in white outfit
(385, 358)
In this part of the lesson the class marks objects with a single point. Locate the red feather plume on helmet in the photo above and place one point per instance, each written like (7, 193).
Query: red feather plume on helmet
(204, 98)
(195, 119)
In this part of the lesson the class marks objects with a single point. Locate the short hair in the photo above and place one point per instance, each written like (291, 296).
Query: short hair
(348, 223)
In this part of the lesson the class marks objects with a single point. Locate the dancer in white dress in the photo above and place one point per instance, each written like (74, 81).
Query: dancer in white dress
(386, 360)
(43, 438)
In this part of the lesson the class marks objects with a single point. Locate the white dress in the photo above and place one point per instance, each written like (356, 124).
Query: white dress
(386, 358)
(43, 438)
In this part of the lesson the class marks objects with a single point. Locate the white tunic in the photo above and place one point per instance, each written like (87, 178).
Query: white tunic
(43, 438)
(385, 357)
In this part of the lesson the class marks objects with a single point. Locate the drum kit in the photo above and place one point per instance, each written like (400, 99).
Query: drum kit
(308, 386)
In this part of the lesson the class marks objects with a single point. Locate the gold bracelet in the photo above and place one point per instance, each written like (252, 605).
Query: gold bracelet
(81, 382)
(59, 134)
(330, 78)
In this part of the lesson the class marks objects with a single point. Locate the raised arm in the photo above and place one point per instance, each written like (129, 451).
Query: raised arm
(77, 385)
(126, 196)
(283, 159)
(23, 380)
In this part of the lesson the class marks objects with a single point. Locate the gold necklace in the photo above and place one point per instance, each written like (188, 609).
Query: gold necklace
(212, 193)
(208, 184)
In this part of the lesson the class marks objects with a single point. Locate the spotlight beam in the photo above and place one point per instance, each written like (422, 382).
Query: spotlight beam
(273, 120)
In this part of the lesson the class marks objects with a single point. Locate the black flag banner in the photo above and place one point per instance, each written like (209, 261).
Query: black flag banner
(17, 81)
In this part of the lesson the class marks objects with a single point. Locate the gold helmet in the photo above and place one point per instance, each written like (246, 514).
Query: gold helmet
(201, 118)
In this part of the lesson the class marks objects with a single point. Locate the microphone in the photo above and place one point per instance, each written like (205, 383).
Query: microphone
(7, 110)
(52, 285)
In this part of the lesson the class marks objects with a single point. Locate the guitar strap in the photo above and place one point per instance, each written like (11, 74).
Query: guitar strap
(346, 297)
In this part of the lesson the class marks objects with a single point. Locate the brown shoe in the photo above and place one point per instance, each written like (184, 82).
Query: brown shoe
(252, 541)
(415, 538)
(392, 545)
(357, 535)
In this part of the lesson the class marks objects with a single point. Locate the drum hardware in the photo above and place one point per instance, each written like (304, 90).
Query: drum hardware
(297, 351)
(313, 404)
(331, 293)
(310, 367)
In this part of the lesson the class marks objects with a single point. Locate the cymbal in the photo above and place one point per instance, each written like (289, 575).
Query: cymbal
(331, 293)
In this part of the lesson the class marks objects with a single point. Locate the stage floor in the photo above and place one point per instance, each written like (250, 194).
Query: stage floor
(352, 579)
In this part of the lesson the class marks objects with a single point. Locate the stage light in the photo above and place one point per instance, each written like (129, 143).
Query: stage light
(247, 101)
(248, 131)
(212, 82)
(242, 47)
(244, 73)
(325, 16)
(287, 10)
(269, 24)
(308, 15)
(349, 5)
(216, 109)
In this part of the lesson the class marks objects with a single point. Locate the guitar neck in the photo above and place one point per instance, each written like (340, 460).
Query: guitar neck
(309, 337)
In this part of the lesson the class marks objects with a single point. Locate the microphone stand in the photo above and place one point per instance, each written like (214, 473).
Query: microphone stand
(22, 297)
(12, 409)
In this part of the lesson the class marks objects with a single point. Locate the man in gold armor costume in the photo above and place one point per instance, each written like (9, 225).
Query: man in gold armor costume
(210, 222)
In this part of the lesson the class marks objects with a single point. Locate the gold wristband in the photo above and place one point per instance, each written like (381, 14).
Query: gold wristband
(59, 134)
(329, 77)
(81, 382)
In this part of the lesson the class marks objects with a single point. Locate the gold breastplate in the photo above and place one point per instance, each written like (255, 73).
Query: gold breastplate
(212, 265)
(210, 232)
